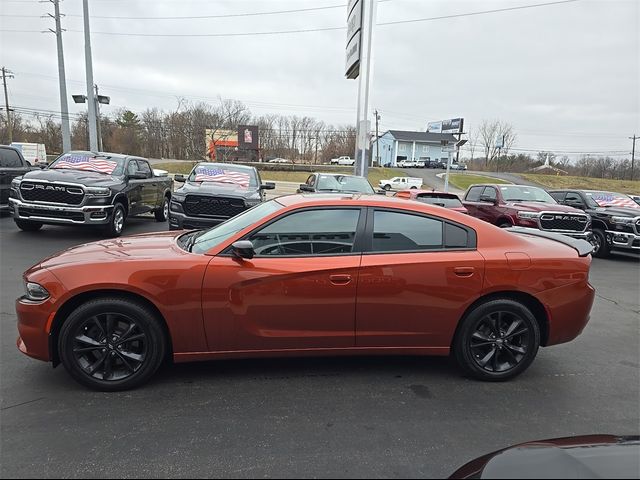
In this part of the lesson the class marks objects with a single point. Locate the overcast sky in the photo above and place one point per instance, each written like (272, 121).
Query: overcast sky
(566, 76)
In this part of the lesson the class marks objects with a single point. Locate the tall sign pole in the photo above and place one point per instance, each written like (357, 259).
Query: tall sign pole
(92, 120)
(633, 153)
(64, 106)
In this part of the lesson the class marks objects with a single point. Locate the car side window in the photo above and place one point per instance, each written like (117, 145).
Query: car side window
(144, 167)
(9, 158)
(474, 194)
(395, 231)
(573, 197)
(490, 193)
(132, 167)
(557, 196)
(310, 232)
(311, 180)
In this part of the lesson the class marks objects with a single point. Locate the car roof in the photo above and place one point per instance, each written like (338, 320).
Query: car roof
(336, 174)
(222, 165)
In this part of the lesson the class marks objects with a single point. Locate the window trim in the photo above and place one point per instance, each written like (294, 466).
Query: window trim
(358, 240)
(472, 236)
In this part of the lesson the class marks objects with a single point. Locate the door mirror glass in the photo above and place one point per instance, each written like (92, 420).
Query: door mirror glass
(180, 178)
(138, 176)
(305, 188)
(268, 186)
(243, 249)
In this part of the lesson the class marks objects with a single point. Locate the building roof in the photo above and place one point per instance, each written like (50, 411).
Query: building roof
(425, 137)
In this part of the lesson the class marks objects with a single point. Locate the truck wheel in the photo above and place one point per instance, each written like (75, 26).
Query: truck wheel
(116, 222)
(600, 245)
(28, 225)
(387, 187)
(162, 213)
(412, 188)
(505, 224)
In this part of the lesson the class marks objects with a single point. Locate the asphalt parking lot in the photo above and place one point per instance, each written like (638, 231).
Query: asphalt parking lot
(360, 417)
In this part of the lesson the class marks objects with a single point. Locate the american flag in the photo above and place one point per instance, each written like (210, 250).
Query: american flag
(605, 200)
(92, 164)
(205, 174)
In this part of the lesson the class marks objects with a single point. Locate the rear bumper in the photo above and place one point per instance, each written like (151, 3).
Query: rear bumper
(569, 309)
(59, 214)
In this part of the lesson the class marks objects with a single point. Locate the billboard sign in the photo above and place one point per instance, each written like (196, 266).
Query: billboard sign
(434, 127)
(247, 137)
(354, 33)
(453, 125)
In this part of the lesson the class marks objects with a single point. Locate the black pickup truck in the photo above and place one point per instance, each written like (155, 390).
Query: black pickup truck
(86, 188)
(12, 165)
(615, 218)
(213, 193)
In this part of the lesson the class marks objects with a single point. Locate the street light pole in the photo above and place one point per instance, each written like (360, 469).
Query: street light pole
(93, 133)
(95, 99)
(633, 153)
(64, 106)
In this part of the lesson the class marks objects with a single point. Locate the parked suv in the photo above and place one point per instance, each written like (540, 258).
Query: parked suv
(12, 165)
(213, 193)
(615, 218)
(87, 188)
(336, 183)
(524, 206)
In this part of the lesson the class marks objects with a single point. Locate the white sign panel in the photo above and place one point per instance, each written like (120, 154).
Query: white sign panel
(354, 21)
(354, 34)
(434, 127)
(352, 64)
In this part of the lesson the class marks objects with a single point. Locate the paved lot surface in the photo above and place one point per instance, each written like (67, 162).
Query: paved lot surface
(373, 417)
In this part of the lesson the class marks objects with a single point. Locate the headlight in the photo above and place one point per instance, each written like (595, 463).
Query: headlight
(528, 215)
(252, 202)
(15, 183)
(178, 198)
(35, 292)
(98, 191)
(622, 220)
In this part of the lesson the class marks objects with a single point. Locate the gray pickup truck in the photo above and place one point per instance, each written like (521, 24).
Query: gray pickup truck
(87, 188)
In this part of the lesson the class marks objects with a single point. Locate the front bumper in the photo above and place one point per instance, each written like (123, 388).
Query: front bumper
(180, 221)
(60, 214)
(623, 240)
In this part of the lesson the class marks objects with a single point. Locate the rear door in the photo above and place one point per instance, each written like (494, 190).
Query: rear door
(418, 275)
(150, 186)
(11, 166)
(135, 189)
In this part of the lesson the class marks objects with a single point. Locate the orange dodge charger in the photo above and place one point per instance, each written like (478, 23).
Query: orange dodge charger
(308, 275)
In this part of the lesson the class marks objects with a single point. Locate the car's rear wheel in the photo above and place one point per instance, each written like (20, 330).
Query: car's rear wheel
(600, 245)
(162, 213)
(111, 344)
(28, 225)
(497, 341)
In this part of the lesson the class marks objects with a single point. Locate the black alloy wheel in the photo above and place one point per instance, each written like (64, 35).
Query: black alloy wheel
(111, 344)
(601, 248)
(498, 340)
(162, 213)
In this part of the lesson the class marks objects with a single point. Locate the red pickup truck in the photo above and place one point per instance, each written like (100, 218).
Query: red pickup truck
(525, 206)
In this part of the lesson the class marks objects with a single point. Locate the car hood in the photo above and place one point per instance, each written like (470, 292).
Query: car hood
(72, 176)
(618, 211)
(216, 188)
(542, 207)
(150, 246)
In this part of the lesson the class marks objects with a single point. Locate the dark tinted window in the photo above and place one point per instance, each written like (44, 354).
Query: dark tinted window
(311, 232)
(490, 192)
(132, 167)
(557, 196)
(455, 236)
(442, 200)
(572, 197)
(9, 158)
(474, 194)
(394, 231)
(144, 168)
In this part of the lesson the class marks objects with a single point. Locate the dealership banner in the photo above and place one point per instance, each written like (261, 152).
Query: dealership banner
(453, 125)
(248, 137)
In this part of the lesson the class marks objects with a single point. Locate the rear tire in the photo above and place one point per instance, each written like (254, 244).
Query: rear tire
(601, 247)
(28, 225)
(112, 344)
(497, 340)
(387, 187)
(162, 213)
(116, 222)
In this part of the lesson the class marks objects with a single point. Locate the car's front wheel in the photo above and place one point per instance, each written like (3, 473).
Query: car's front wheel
(387, 187)
(162, 213)
(600, 246)
(116, 221)
(497, 340)
(111, 344)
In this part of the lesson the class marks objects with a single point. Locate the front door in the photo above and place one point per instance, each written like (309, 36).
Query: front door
(298, 292)
(416, 280)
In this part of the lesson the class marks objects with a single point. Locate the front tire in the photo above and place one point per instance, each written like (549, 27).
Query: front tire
(27, 225)
(387, 187)
(601, 247)
(162, 213)
(497, 341)
(112, 344)
(116, 221)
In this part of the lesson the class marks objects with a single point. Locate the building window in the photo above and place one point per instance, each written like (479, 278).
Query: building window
(425, 148)
(402, 148)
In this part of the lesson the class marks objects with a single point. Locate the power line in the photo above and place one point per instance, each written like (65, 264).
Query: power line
(324, 29)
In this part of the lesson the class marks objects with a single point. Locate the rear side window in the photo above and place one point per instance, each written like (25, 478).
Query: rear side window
(9, 158)
(474, 194)
(455, 236)
(557, 196)
(395, 231)
(490, 192)
(144, 167)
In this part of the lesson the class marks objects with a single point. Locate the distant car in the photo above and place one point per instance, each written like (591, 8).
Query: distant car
(589, 456)
(458, 166)
(406, 164)
(400, 183)
(435, 164)
(279, 160)
(343, 160)
(12, 165)
(431, 197)
(334, 182)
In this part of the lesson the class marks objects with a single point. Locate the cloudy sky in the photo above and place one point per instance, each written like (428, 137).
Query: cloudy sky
(566, 76)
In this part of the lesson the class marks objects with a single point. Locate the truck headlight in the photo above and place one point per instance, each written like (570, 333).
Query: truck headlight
(15, 184)
(98, 191)
(528, 215)
(622, 220)
(35, 292)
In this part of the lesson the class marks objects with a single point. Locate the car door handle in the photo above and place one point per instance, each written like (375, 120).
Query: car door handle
(340, 279)
(464, 271)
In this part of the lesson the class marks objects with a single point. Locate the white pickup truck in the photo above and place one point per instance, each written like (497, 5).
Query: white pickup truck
(344, 160)
(401, 183)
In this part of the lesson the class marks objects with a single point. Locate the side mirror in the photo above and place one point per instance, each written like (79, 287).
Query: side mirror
(305, 188)
(487, 199)
(180, 178)
(43, 166)
(243, 249)
(268, 186)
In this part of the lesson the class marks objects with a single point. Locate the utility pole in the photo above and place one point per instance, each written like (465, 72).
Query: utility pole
(377, 136)
(93, 133)
(7, 73)
(64, 106)
(95, 99)
(633, 153)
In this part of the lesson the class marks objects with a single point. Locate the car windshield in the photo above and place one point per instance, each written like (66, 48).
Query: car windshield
(344, 183)
(517, 193)
(442, 200)
(205, 240)
(610, 199)
(224, 173)
(90, 162)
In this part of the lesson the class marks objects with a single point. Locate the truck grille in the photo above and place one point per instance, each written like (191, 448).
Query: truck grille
(52, 193)
(563, 221)
(202, 205)
(32, 212)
